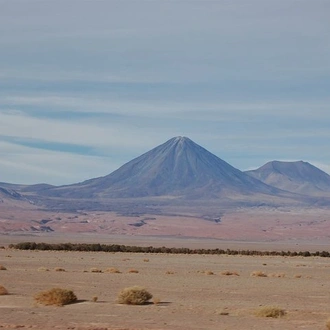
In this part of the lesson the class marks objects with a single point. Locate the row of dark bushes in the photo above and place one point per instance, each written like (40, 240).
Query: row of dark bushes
(151, 249)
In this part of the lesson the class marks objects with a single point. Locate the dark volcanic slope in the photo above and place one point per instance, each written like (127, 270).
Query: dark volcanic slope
(179, 167)
(299, 177)
(9, 193)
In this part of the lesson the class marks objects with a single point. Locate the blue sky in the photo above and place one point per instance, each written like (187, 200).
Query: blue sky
(86, 86)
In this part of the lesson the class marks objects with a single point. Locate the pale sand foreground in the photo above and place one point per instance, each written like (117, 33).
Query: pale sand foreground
(190, 299)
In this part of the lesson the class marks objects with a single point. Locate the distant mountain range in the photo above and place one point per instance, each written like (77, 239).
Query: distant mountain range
(182, 170)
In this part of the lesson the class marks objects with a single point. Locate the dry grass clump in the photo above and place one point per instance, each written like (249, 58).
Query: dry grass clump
(56, 296)
(208, 272)
(279, 275)
(170, 272)
(95, 299)
(258, 273)
(146, 260)
(95, 270)
(229, 273)
(43, 269)
(3, 291)
(134, 295)
(270, 311)
(224, 313)
(298, 276)
(328, 324)
(113, 270)
(59, 269)
(3, 267)
(156, 301)
(133, 271)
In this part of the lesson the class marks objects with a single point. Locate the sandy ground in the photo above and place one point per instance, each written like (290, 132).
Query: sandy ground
(189, 299)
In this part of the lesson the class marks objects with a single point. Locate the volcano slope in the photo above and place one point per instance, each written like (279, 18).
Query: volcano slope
(177, 169)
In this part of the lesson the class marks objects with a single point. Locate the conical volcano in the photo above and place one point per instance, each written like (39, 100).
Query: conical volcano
(179, 167)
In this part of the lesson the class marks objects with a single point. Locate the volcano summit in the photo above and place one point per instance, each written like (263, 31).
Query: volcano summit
(179, 167)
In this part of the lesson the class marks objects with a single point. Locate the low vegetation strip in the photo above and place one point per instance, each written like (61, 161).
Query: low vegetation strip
(163, 249)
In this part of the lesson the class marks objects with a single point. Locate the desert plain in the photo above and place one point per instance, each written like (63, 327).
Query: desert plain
(189, 291)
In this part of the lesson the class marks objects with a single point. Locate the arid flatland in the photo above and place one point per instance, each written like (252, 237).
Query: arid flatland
(192, 290)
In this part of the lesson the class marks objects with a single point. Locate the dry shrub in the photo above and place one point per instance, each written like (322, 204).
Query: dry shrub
(43, 269)
(95, 299)
(229, 273)
(3, 267)
(156, 301)
(298, 276)
(258, 273)
(59, 269)
(3, 291)
(134, 271)
(95, 270)
(208, 272)
(328, 324)
(146, 260)
(270, 311)
(134, 295)
(112, 270)
(224, 313)
(55, 296)
(279, 275)
(170, 272)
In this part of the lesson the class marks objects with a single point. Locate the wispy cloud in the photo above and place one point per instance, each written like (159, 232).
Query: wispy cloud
(21, 164)
(89, 133)
(108, 80)
(165, 108)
